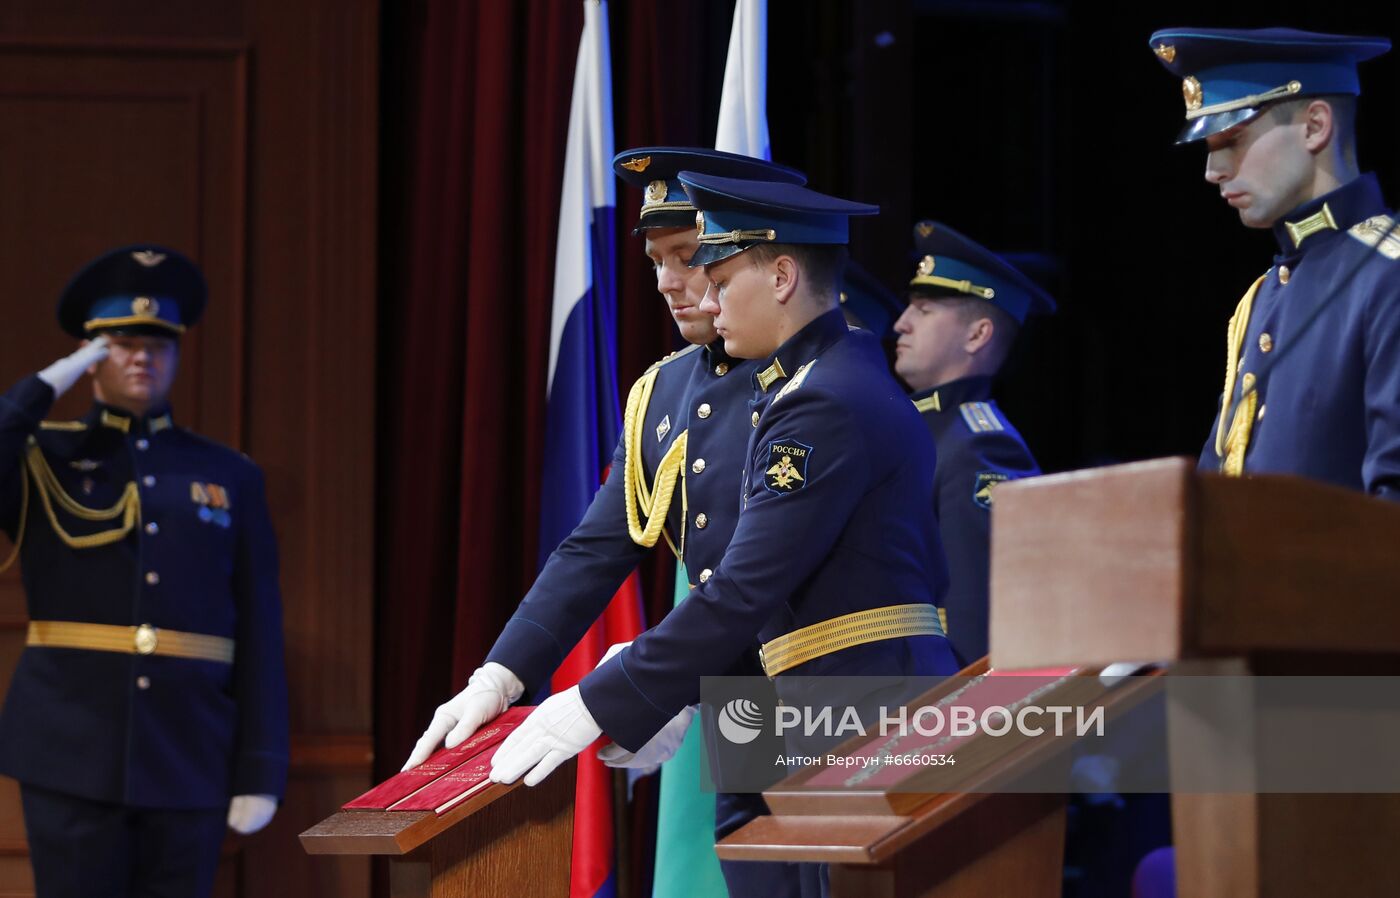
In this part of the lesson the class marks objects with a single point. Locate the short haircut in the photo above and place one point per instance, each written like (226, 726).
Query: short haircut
(971, 308)
(1343, 119)
(822, 264)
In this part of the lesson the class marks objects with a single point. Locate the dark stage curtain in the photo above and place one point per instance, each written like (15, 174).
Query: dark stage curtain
(476, 100)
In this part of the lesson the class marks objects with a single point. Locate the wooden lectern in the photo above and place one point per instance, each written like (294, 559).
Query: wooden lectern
(507, 840)
(1146, 562)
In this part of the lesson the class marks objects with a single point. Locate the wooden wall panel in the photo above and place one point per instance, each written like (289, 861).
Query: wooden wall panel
(244, 134)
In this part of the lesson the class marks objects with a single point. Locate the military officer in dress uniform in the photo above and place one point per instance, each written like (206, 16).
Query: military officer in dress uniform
(1313, 357)
(149, 707)
(675, 476)
(835, 565)
(966, 305)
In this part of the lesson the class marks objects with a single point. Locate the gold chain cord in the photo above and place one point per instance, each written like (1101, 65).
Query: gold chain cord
(639, 498)
(1231, 439)
(23, 517)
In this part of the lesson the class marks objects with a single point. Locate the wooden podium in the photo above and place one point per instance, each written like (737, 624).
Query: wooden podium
(507, 840)
(1145, 562)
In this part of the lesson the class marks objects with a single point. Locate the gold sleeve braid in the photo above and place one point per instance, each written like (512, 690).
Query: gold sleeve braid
(1232, 438)
(640, 499)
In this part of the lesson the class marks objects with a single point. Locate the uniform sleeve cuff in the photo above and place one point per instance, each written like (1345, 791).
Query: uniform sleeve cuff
(32, 397)
(527, 650)
(620, 708)
(260, 773)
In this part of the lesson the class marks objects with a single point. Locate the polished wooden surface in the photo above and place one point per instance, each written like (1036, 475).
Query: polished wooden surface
(1153, 561)
(244, 134)
(506, 840)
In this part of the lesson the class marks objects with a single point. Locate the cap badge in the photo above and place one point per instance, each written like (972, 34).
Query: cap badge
(148, 258)
(656, 193)
(1191, 92)
(1166, 53)
(926, 266)
(637, 165)
(924, 228)
(145, 307)
(700, 223)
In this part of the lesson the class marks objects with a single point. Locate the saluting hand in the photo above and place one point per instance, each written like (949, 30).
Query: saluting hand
(62, 374)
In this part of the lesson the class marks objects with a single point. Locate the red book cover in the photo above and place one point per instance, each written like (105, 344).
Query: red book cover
(399, 787)
(451, 788)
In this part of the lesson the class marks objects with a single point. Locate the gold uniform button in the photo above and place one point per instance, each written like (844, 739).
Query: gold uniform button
(722, 369)
(1266, 343)
(152, 578)
(146, 639)
(698, 466)
(1284, 274)
(754, 419)
(143, 682)
(704, 410)
(705, 575)
(1261, 412)
(701, 521)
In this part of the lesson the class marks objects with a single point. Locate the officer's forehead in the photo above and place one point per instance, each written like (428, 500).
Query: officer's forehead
(668, 239)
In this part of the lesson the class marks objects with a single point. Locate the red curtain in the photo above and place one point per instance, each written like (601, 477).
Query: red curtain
(476, 100)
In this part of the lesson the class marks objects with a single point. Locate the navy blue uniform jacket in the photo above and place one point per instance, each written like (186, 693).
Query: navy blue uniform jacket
(1328, 403)
(702, 393)
(144, 730)
(837, 517)
(978, 448)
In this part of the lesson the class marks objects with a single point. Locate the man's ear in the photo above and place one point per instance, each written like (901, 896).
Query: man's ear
(1319, 126)
(979, 335)
(784, 275)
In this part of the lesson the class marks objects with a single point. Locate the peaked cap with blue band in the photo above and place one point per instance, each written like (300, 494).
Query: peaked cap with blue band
(866, 301)
(138, 289)
(655, 171)
(951, 264)
(735, 214)
(1230, 75)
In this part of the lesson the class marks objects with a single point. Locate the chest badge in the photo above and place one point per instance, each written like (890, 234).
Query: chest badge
(983, 485)
(663, 428)
(213, 503)
(86, 465)
(786, 469)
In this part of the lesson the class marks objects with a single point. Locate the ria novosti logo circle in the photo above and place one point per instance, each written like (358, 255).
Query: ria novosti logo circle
(741, 721)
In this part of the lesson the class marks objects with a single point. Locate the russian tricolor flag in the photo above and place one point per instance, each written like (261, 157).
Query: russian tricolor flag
(583, 418)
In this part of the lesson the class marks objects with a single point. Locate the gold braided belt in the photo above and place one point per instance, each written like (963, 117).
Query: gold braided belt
(142, 640)
(873, 625)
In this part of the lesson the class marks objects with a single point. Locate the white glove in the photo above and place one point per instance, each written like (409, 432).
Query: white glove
(558, 729)
(62, 374)
(612, 650)
(249, 813)
(659, 748)
(490, 690)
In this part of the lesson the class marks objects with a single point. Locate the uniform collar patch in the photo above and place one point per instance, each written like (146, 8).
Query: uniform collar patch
(770, 375)
(929, 403)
